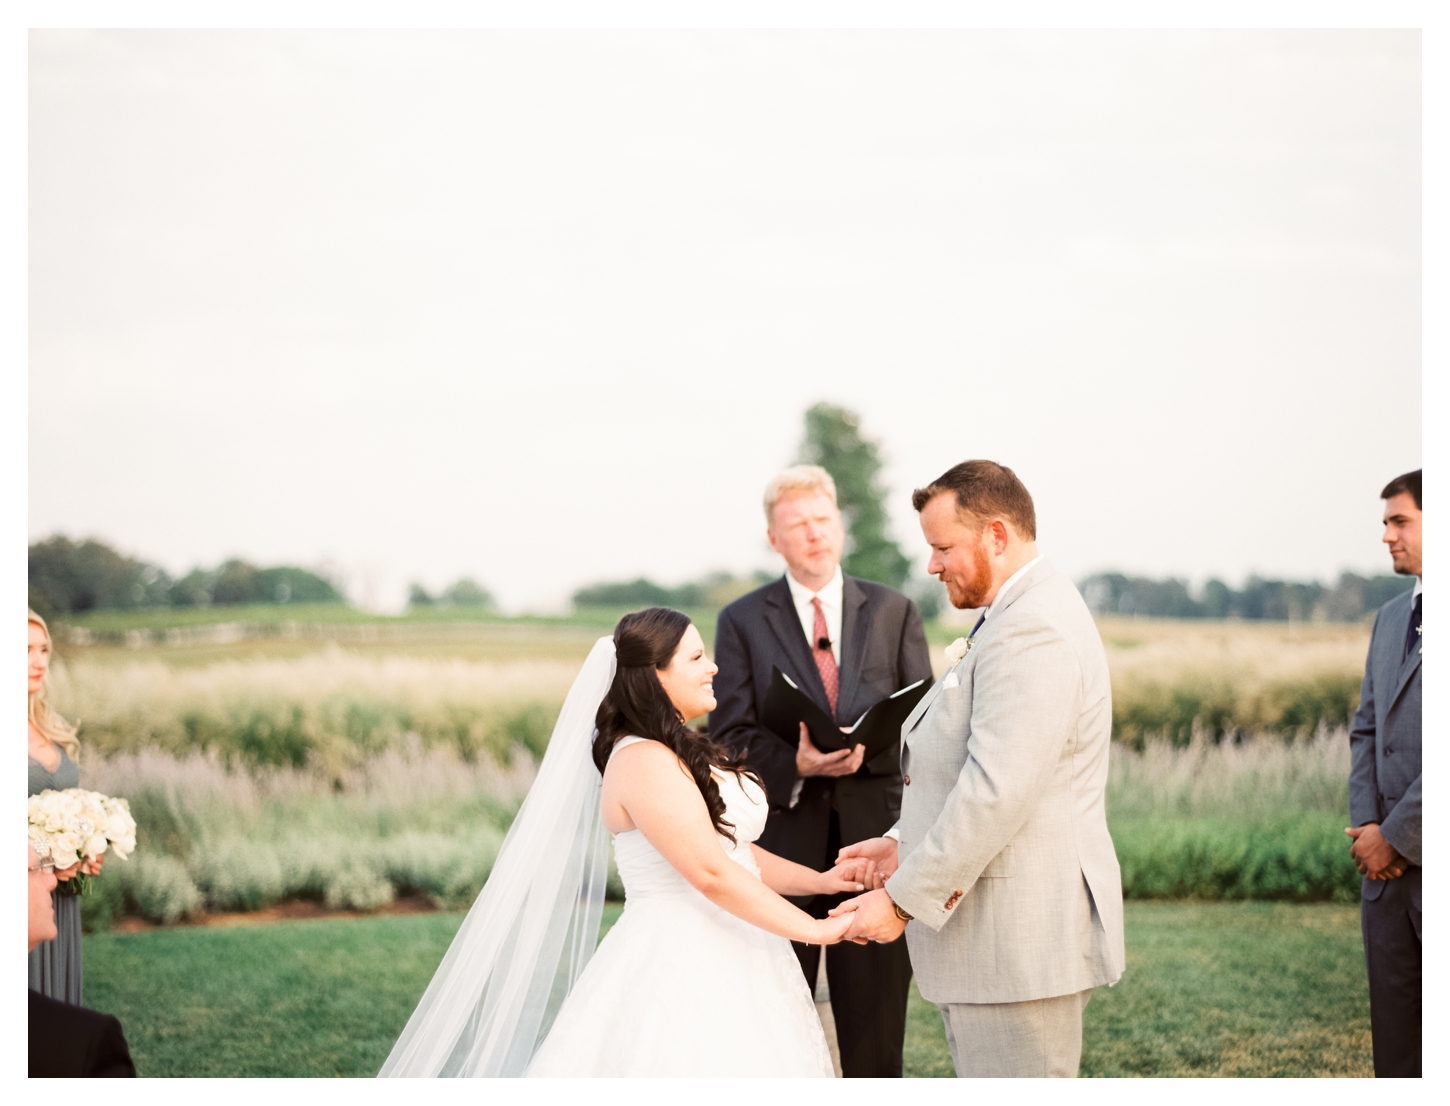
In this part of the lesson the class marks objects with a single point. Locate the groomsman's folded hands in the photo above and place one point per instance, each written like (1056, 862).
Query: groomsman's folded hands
(1375, 857)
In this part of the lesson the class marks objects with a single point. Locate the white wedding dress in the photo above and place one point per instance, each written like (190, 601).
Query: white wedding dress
(680, 987)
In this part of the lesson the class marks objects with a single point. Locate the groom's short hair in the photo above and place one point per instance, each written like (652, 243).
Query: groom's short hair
(984, 490)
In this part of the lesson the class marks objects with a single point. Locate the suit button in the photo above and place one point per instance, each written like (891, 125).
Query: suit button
(906, 780)
(1389, 752)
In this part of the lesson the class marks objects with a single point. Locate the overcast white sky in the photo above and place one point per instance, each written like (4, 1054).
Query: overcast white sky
(547, 307)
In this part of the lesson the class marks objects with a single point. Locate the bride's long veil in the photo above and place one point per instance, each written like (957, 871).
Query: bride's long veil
(536, 921)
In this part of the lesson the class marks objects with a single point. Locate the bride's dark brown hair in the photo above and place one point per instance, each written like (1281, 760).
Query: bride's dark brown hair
(637, 705)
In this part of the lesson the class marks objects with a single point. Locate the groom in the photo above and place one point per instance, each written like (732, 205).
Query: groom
(848, 643)
(1008, 887)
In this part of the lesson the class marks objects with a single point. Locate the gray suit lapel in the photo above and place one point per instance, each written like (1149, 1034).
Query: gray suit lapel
(918, 712)
(1407, 669)
(780, 616)
(1392, 668)
(855, 629)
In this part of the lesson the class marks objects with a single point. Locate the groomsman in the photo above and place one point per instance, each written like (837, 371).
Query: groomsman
(847, 643)
(1384, 797)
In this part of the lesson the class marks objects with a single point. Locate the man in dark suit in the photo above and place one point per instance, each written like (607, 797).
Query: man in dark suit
(1384, 798)
(847, 643)
(66, 1040)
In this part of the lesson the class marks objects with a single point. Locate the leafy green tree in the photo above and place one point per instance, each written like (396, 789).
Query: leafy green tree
(834, 441)
(468, 593)
(289, 584)
(635, 593)
(68, 576)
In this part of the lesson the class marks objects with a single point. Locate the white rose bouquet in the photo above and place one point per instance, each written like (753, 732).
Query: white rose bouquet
(70, 826)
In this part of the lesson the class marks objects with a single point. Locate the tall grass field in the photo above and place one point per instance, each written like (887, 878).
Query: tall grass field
(274, 766)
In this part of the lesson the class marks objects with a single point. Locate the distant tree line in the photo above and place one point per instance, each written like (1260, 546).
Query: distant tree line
(464, 593)
(1348, 600)
(711, 591)
(68, 577)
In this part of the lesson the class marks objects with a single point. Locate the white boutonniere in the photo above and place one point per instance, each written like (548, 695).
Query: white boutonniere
(957, 650)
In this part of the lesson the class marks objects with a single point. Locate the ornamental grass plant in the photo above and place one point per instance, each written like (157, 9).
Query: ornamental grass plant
(1230, 679)
(352, 778)
(1260, 819)
(330, 710)
(234, 837)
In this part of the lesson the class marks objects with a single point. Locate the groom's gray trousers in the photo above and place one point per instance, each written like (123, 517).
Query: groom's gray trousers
(1002, 1040)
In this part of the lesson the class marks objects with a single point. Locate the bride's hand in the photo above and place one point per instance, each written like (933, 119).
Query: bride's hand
(858, 873)
(829, 931)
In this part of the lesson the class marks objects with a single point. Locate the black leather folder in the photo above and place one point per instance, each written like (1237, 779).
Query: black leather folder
(787, 706)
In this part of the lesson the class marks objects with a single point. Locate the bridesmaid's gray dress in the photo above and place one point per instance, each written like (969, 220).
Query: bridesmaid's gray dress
(55, 966)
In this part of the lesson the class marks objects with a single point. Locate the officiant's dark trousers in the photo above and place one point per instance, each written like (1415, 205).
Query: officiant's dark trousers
(869, 985)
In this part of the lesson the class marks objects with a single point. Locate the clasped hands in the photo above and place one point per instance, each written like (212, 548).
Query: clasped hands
(869, 916)
(1375, 857)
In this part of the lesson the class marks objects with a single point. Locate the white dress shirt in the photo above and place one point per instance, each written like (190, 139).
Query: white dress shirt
(831, 597)
(1419, 587)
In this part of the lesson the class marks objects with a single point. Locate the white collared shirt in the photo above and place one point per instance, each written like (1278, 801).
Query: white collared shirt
(832, 596)
(1007, 586)
(1419, 587)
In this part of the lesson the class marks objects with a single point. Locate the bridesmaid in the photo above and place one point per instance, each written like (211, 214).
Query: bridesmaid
(55, 966)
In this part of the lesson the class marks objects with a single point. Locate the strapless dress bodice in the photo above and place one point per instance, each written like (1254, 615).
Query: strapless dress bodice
(645, 873)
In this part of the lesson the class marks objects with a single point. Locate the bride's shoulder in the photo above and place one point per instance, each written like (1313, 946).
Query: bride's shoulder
(635, 750)
(636, 755)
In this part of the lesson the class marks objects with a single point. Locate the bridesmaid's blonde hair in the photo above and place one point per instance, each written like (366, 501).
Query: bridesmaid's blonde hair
(42, 717)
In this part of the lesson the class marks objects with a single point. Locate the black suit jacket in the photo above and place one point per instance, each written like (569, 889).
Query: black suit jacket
(68, 1041)
(883, 649)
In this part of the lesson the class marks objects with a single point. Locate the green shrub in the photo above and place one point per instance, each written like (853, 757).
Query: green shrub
(107, 900)
(356, 885)
(162, 823)
(1295, 709)
(1301, 859)
(158, 888)
(237, 874)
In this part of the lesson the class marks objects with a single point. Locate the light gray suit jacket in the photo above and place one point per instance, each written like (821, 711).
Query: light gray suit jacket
(1006, 864)
(1384, 738)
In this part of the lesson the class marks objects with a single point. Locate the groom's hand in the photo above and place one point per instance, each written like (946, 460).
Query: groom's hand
(880, 849)
(810, 761)
(875, 918)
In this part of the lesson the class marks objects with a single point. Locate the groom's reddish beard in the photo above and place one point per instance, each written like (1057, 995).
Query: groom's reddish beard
(973, 592)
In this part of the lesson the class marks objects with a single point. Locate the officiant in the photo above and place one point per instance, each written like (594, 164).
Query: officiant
(847, 644)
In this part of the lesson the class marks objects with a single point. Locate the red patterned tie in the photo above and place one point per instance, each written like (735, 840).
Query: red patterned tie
(825, 659)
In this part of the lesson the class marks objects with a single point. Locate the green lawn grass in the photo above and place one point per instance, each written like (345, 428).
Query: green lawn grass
(1211, 989)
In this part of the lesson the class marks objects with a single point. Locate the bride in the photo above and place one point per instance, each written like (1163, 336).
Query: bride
(697, 978)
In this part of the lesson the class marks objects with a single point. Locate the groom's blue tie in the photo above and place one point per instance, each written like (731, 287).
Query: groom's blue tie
(978, 626)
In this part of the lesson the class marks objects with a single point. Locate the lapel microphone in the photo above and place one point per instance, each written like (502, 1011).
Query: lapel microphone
(823, 643)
